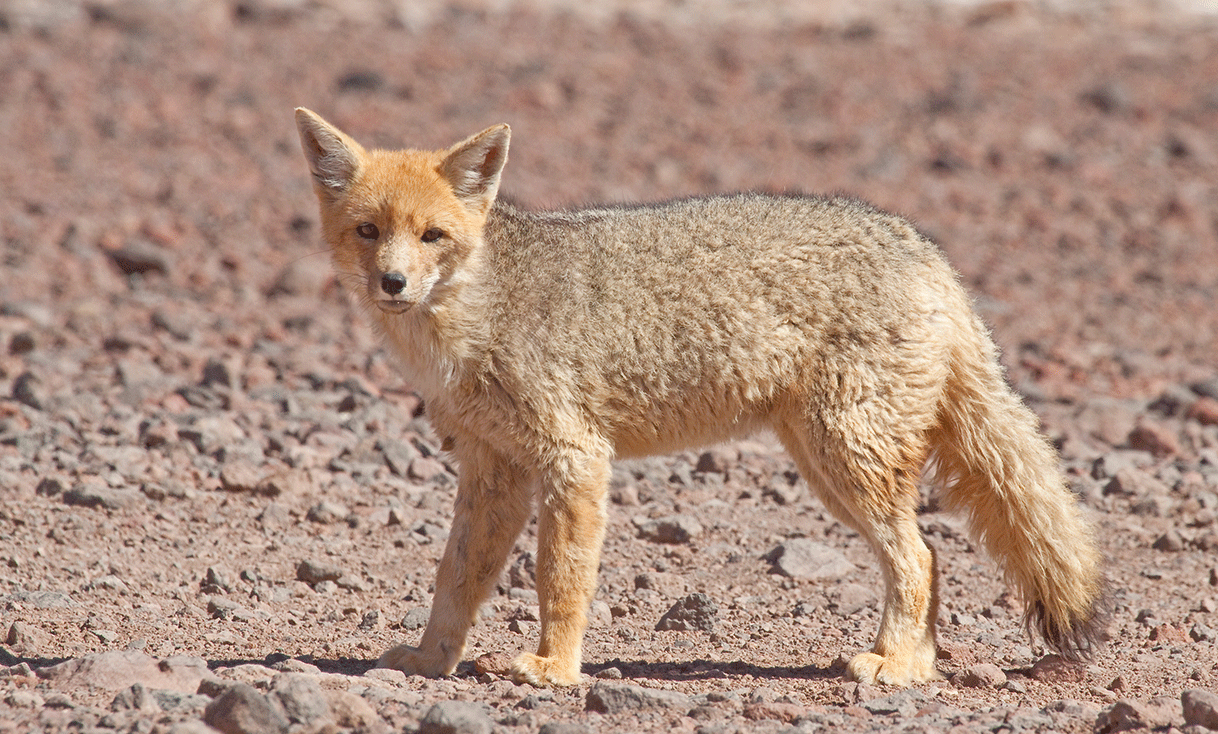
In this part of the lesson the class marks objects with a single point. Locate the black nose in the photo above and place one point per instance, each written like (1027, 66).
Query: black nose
(393, 283)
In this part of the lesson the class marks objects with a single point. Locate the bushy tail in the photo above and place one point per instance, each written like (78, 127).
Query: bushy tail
(997, 468)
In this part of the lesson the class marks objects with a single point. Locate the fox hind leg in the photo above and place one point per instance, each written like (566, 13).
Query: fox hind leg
(879, 499)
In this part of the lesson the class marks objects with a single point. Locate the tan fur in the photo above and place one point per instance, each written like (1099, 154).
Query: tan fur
(547, 344)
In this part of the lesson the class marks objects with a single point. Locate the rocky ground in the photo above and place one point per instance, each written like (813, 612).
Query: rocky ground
(218, 503)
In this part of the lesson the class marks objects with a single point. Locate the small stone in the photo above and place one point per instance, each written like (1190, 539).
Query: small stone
(215, 581)
(983, 675)
(675, 529)
(1155, 438)
(240, 476)
(351, 712)
(1204, 411)
(694, 612)
(456, 717)
(221, 608)
(717, 460)
(522, 574)
(1171, 542)
(99, 496)
(773, 711)
(1200, 708)
(29, 390)
(328, 512)
(1054, 668)
(617, 698)
(1125, 715)
(850, 599)
(906, 703)
(301, 697)
(494, 662)
(1131, 482)
(140, 257)
(136, 697)
(415, 619)
(314, 572)
(803, 558)
(241, 709)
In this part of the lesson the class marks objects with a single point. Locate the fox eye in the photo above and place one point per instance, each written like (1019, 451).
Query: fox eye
(432, 235)
(368, 231)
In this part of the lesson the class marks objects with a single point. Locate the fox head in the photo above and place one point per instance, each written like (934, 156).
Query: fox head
(403, 225)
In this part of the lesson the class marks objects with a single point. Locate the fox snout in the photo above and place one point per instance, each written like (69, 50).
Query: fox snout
(393, 283)
(390, 291)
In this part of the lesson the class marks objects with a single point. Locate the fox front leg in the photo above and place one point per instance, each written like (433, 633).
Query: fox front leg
(494, 499)
(571, 528)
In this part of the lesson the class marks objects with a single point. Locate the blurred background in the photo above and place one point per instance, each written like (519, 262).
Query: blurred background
(1063, 153)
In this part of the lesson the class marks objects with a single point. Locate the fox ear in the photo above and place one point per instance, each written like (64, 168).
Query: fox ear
(472, 167)
(333, 157)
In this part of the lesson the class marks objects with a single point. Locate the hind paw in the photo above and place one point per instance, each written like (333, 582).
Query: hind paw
(871, 669)
(544, 672)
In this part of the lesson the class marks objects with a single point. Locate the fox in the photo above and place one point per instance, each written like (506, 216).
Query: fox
(546, 344)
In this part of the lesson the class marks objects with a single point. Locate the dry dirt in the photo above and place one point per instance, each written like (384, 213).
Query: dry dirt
(205, 455)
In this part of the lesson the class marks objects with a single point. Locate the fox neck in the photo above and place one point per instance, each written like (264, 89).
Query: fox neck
(441, 342)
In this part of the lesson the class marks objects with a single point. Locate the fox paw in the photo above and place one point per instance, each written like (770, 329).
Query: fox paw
(871, 669)
(544, 672)
(413, 661)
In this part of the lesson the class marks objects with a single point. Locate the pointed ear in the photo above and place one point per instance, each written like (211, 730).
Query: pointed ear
(472, 167)
(333, 157)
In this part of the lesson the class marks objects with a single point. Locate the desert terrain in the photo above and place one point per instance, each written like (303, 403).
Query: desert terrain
(219, 501)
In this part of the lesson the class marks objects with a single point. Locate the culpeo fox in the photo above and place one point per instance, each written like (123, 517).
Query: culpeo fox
(547, 344)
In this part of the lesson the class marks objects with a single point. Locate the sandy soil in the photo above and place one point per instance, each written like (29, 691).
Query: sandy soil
(191, 409)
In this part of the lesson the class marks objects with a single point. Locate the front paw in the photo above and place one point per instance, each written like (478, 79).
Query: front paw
(545, 672)
(415, 661)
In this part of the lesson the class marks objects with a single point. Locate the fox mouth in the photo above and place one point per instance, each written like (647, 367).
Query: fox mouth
(394, 307)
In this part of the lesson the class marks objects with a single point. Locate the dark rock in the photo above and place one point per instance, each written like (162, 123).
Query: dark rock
(140, 257)
(1154, 438)
(675, 529)
(1108, 97)
(313, 572)
(717, 460)
(99, 496)
(28, 390)
(694, 612)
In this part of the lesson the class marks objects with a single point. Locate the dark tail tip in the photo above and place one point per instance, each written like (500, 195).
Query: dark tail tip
(1076, 639)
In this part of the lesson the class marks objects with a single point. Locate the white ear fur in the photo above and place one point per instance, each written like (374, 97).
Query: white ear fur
(333, 157)
(472, 167)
